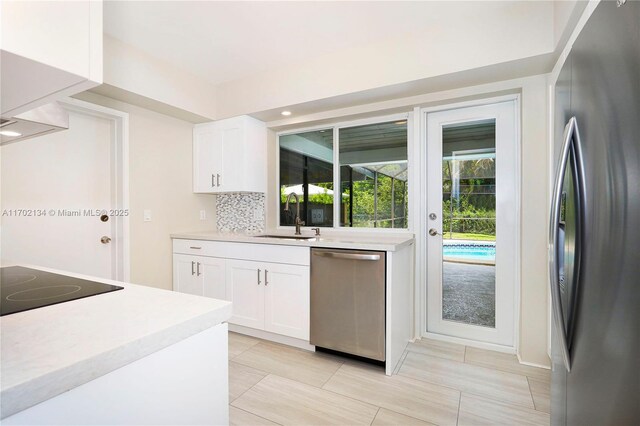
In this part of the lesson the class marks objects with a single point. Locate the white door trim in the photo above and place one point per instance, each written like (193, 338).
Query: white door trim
(420, 213)
(121, 270)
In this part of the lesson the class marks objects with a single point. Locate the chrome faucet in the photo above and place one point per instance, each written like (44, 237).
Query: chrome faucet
(298, 222)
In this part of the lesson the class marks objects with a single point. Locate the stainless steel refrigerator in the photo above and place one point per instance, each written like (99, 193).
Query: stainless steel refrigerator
(595, 224)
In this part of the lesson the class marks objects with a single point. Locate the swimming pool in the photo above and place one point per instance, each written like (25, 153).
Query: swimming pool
(469, 251)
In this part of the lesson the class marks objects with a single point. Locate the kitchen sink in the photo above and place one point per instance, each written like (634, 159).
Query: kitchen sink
(287, 237)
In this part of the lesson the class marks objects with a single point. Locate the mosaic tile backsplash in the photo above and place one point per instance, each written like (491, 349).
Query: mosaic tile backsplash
(240, 212)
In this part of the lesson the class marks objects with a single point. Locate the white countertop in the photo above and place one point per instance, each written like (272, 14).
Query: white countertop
(50, 350)
(358, 242)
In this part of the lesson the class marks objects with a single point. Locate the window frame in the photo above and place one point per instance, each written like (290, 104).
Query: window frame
(335, 128)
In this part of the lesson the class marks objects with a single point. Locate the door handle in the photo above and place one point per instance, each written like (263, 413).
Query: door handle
(433, 232)
(259, 282)
(266, 279)
(571, 134)
(193, 265)
(198, 269)
(347, 256)
(105, 240)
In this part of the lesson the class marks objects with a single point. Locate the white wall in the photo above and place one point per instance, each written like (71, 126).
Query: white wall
(160, 179)
(461, 36)
(517, 37)
(565, 16)
(534, 220)
(132, 70)
(532, 339)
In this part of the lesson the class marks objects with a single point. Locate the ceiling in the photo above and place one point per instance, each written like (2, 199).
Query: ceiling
(224, 41)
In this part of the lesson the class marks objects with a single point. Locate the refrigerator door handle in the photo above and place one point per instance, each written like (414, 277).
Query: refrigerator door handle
(571, 144)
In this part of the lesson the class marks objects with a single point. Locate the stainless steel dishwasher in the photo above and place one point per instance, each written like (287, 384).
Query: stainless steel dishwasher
(348, 301)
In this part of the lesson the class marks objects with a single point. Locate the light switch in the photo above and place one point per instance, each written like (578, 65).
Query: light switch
(147, 215)
(203, 215)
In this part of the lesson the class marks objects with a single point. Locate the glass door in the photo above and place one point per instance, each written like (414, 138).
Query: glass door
(472, 223)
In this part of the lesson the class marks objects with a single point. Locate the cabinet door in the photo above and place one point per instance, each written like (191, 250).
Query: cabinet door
(208, 157)
(245, 288)
(212, 274)
(287, 300)
(230, 156)
(230, 138)
(49, 50)
(185, 279)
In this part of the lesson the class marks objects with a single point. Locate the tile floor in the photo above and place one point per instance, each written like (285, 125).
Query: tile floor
(437, 383)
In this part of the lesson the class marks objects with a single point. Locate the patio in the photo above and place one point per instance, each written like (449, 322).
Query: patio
(468, 293)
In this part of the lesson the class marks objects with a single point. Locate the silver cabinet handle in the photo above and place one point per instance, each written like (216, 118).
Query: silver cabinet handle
(218, 176)
(195, 248)
(259, 282)
(198, 269)
(213, 181)
(193, 264)
(266, 279)
(348, 256)
(571, 145)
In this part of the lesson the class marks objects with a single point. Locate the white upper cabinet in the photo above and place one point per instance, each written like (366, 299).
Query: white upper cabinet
(230, 156)
(49, 50)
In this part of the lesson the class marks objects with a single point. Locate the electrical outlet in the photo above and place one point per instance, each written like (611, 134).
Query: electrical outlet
(203, 215)
(147, 215)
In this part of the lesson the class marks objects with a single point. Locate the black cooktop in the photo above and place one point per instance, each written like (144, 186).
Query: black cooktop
(24, 289)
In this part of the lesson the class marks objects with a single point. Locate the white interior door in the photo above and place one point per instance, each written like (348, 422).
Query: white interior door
(52, 188)
(472, 221)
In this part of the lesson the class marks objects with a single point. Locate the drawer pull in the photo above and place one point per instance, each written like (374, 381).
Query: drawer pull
(195, 248)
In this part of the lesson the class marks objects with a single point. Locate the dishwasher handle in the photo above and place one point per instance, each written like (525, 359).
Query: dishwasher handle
(348, 256)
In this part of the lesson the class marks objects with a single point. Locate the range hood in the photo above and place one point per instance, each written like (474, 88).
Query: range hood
(48, 118)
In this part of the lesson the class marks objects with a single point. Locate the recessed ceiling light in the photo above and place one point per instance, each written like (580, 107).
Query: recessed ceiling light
(286, 113)
(9, 133)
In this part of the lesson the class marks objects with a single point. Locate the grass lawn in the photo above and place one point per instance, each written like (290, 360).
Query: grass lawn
(464, 236)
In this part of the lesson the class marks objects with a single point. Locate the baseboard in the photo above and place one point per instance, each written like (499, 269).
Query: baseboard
(472, 343)
(277, 338)
(532, 364)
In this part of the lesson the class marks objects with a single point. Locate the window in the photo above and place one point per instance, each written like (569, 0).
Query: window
(306, 178)
(372, 176)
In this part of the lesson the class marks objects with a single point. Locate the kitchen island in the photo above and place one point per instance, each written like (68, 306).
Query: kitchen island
(135, 356)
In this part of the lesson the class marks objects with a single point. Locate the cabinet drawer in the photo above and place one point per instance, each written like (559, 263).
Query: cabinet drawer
(244, 251)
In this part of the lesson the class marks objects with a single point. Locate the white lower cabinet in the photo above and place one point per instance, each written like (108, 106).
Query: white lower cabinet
(269, 296)
(287, 300)
(245, 287)
(199, 275)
